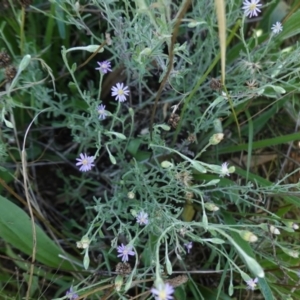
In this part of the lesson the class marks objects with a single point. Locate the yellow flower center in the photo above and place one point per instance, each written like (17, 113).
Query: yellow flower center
(162, 295)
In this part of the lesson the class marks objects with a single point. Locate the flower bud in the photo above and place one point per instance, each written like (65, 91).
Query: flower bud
(291, 224)
(118, 282)
(131, 111)
(290, 252)
(248, 236)
(211, 206)
(216, 138)
(166, 164)
(84, 243)
(131, 195)
(24, 62)
(231, 169)
(76, 7)
(274, 230)
(147, 51)
(133, 212)
(293, 253)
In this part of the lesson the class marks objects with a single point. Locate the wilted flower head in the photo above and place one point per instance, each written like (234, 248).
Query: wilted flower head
(163, 292)
(85, 162)
(104, 67)
(252, 283)
(142, 218)
(188, 246)
(120, 92)
(101, 111)
(276, 28)
(71, 295)
(5, 59)
(125, 251)
(251, 8)
(224, 170)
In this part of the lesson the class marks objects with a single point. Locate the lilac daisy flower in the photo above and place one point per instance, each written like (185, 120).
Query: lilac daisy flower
(163, 292)
(276, 28)
(85, 162)
(101, 111)
(71, 295)
(104, 67)
(252, 283)
(188, 246)
(142, 218)
(224, 170)
(251, 8)
(120, 92)
(125, 251)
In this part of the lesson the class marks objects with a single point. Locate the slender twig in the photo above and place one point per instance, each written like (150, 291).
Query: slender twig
(181, 14)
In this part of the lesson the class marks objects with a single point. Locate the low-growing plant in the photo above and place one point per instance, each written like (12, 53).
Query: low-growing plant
(146, 152)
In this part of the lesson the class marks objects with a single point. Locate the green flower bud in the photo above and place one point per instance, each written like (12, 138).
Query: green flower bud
(248, 236)
(131, 195)
(231, 169)
(24, 62)
(211, 206)
(118, 282)
(166, 164)
(84, 243)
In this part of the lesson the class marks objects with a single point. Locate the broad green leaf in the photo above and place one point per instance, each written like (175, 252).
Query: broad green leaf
(180, 293)
(265, 288)
(15, 229)
(260, 144)
(60, 15)
(291, 27)
(133, 146)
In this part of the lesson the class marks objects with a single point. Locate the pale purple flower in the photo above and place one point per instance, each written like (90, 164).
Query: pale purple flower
(104, 66)
(252, 283)
(71, 295)
(251, 8)
(163, 292)
(142, 218)
(224, 169)
(188, 246)
(125, 251)
(276, 28)
(101, 111)
(85, 162)
(120, 91)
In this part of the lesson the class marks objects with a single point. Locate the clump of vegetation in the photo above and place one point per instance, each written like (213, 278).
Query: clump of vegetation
(149, 149)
